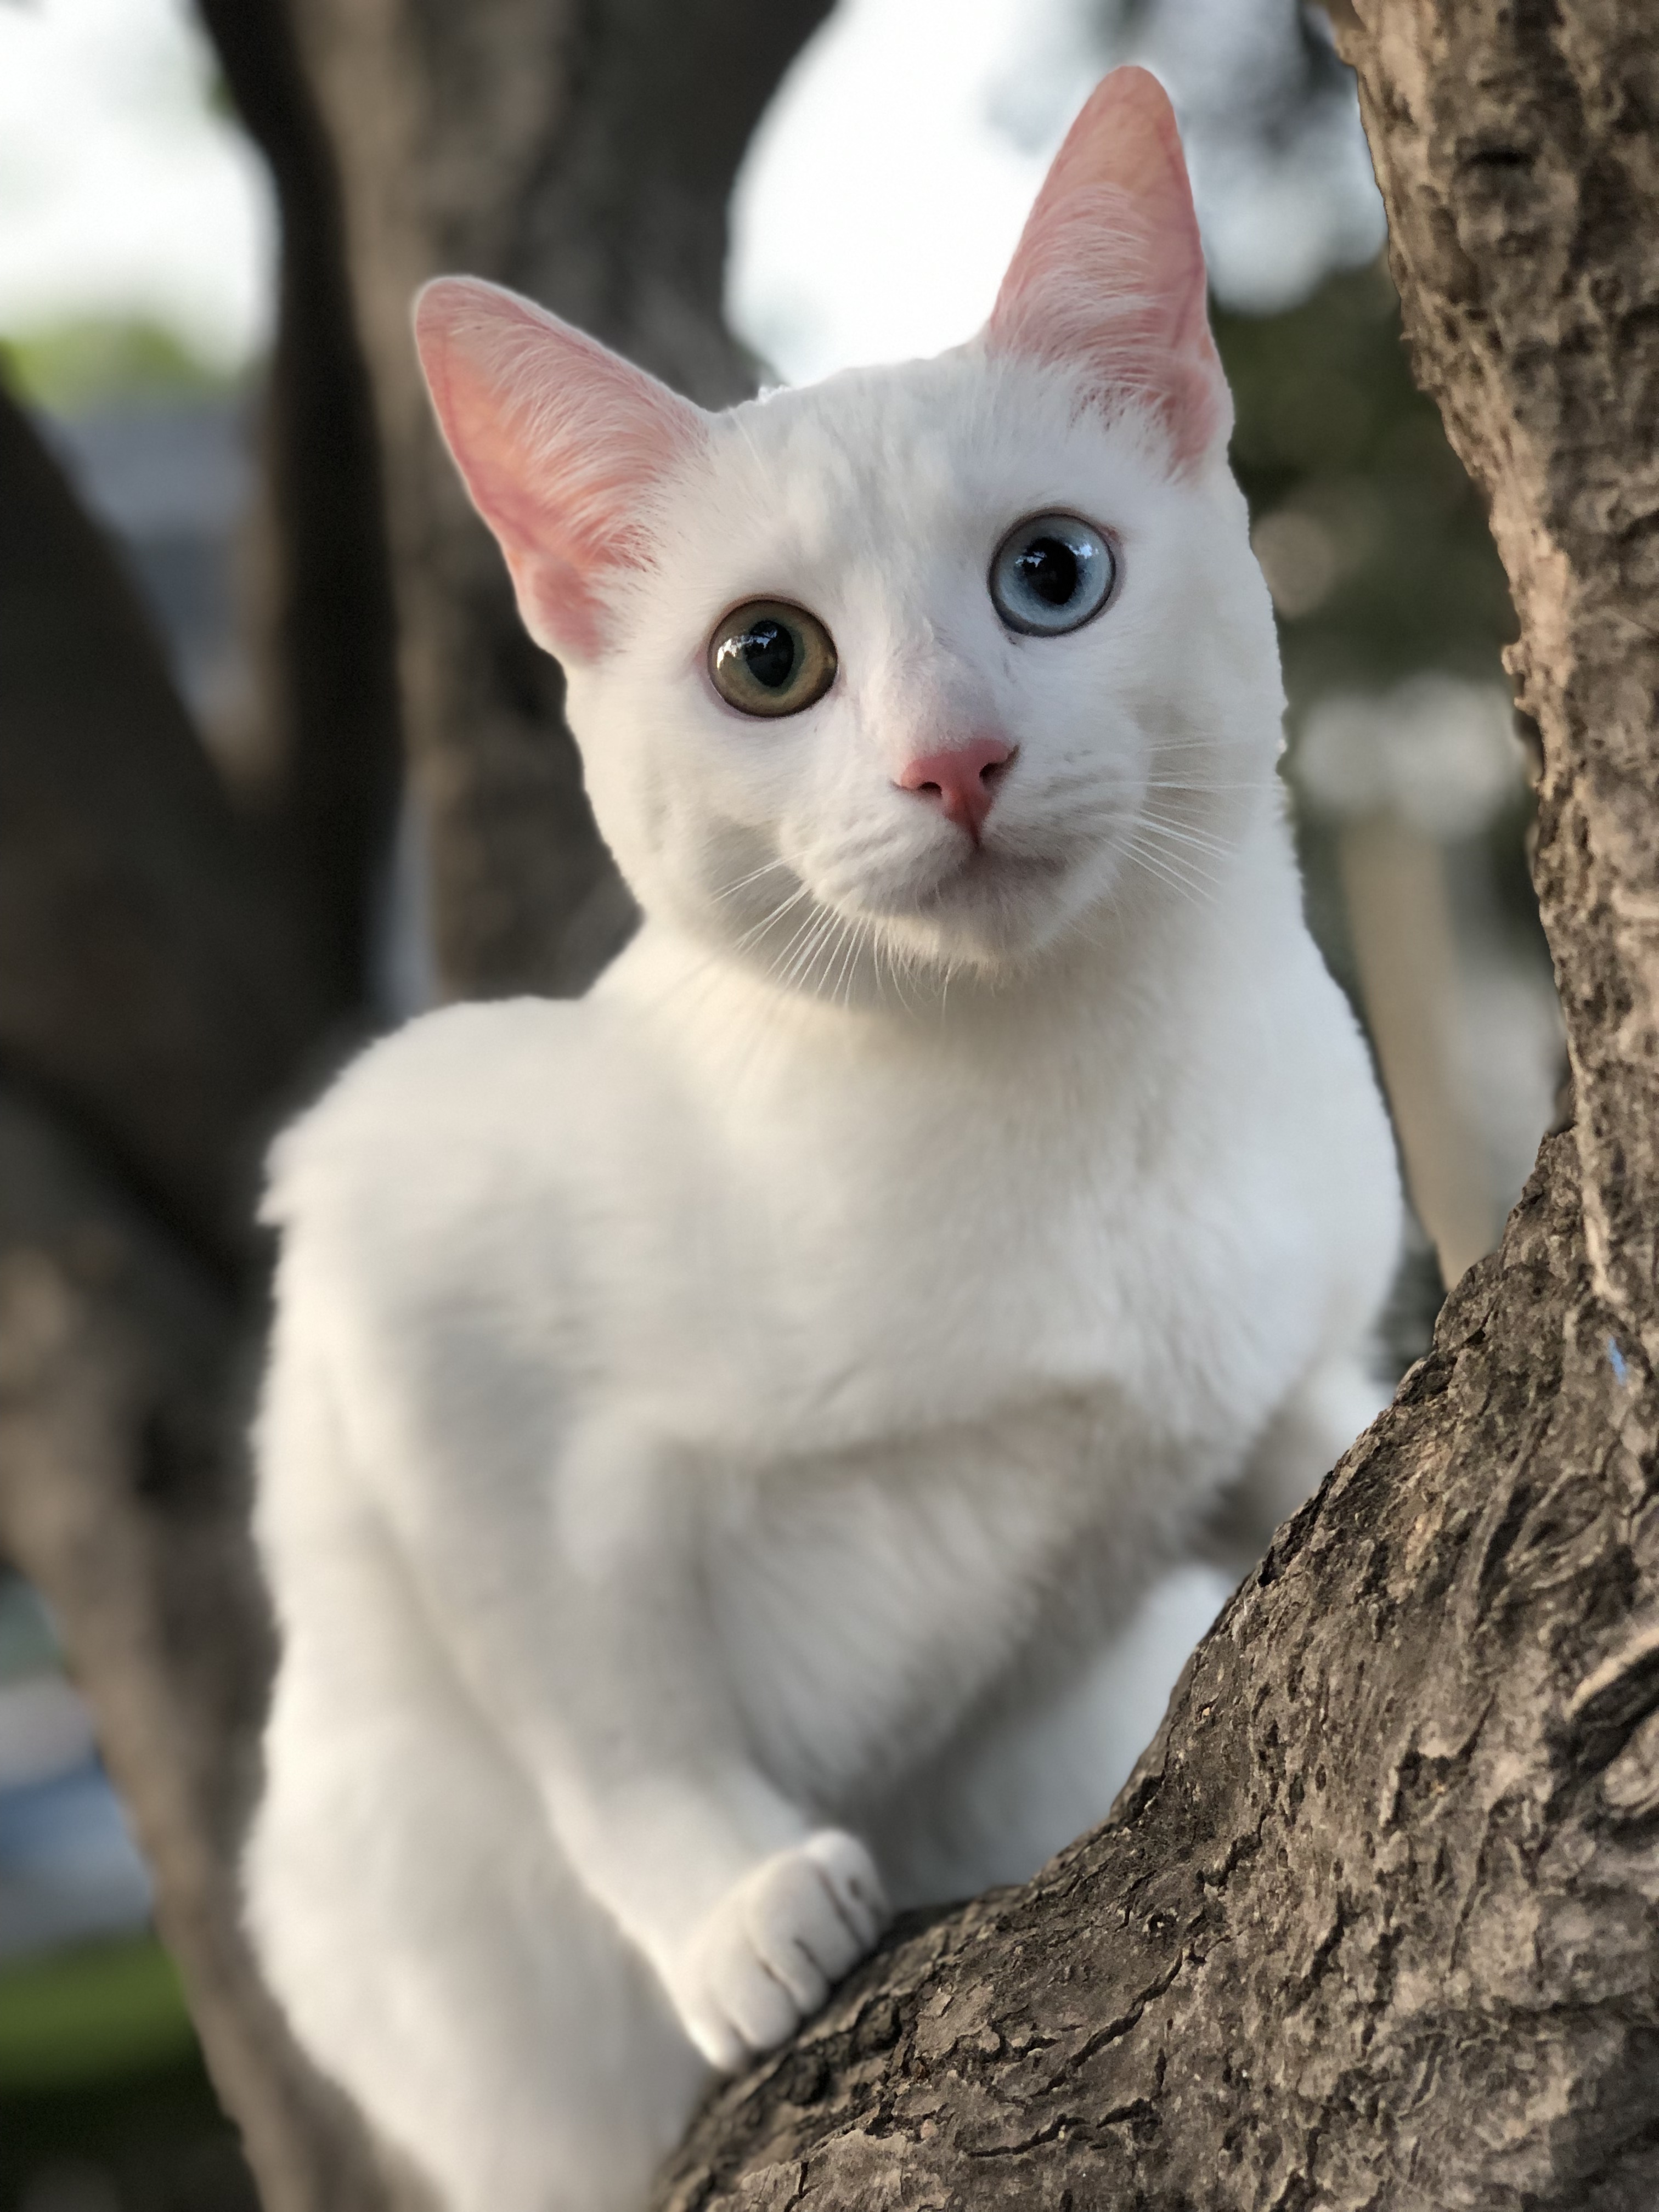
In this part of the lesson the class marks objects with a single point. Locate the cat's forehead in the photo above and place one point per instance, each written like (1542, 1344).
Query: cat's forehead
(894, 457)
(872, 441)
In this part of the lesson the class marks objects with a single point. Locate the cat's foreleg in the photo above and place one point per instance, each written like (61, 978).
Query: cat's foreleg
(438, 1959)
(434, 1952)
(587, 1628)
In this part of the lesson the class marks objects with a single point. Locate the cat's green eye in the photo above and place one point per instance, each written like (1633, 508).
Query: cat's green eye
(1051, 573)
(767, 657)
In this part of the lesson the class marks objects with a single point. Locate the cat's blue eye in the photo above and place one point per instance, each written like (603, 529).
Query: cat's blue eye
(1051, 573)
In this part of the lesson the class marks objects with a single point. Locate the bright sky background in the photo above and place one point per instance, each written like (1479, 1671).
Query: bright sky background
(874, 216)
(887, 185)
(122, 193)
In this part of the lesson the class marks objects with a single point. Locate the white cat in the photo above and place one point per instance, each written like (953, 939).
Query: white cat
(714, 1430)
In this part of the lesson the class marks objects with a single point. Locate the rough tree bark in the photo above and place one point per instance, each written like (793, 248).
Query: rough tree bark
(1376, 1922)
(582, 151)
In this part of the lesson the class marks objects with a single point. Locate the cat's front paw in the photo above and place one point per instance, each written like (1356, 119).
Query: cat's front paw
(767, 1954)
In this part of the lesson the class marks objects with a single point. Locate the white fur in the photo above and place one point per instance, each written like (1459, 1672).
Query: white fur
(714, 1430)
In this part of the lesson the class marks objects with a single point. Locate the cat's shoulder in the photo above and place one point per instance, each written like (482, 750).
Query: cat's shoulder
(435, 1113)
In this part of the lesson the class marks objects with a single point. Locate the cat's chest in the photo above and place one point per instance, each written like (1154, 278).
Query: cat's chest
(945, 1419)
(865, 1289)
(866, 1598)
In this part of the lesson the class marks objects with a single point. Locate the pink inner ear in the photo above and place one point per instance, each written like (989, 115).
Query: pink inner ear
(559, 441)
(1108, 273)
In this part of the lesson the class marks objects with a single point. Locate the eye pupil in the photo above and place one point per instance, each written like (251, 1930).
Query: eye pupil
(1051, 573)
(771, 657)
(768, 653)
(1049, 567)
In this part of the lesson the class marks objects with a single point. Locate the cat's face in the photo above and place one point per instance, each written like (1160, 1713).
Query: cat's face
(1107, 726)
(921, 667)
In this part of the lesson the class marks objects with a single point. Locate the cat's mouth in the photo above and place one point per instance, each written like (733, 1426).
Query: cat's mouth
(981, 877)
(991, 904)
(990, 867)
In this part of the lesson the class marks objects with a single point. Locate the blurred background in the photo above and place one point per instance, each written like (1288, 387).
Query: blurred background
(277, 770)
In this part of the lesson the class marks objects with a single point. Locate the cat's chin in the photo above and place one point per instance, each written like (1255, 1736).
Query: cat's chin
(995, 916)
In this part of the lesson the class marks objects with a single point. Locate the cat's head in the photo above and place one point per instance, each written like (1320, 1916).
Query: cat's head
(922, 667)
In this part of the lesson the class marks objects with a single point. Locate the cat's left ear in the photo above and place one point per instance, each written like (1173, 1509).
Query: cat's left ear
(1108, 274)
(559, 441)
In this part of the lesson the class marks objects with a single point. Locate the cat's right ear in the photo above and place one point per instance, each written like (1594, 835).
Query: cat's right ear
(559, 441)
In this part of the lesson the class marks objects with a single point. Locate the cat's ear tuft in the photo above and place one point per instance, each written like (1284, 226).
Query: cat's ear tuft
(1108, 273)
(559, 441)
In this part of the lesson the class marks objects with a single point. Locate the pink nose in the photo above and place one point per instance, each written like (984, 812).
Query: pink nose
(962, 782)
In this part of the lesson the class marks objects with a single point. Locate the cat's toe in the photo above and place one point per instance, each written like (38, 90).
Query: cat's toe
(799, 1929)
(759, 2008)
(717, 2036)
(849, 1874)
(766, 1958)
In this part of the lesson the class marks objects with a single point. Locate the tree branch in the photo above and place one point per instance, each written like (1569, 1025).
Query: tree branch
(1518, 151)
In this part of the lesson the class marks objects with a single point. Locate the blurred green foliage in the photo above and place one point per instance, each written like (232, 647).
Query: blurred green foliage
(70, 367)
(105, 2105)
(97, 2009)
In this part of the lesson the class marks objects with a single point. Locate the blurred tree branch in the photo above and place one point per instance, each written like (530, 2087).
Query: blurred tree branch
(328, 649)
(151, 990)
(159, 1002)
(121, 1498)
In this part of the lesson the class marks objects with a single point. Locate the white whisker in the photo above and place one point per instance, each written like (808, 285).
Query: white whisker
(850, 961)
(749, 937)
(823, 952)
(1217, 847)
(802, 927)
(817, 930)
(754, 876)
(1160, 865)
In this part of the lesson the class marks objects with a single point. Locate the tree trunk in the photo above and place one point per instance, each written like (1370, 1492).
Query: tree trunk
(325, 646)
(1376, 1921)
(582, 151)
